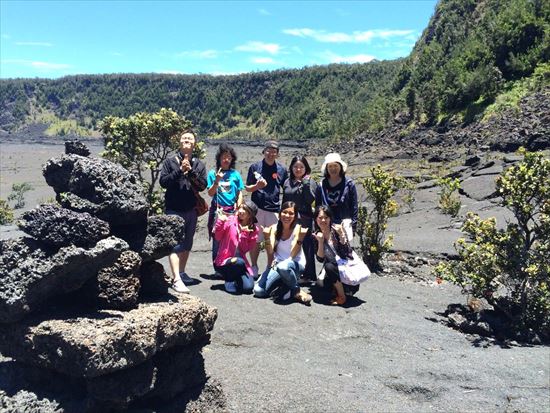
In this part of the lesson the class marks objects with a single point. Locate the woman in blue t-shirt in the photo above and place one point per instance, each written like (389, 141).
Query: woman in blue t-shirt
(225, 186)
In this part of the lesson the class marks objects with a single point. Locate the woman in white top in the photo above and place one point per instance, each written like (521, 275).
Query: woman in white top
(286, 261)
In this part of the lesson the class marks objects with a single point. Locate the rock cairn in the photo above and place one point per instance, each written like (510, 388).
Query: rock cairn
(85, 311)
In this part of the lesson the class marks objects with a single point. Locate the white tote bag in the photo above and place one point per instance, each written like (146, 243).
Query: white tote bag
(352, 271)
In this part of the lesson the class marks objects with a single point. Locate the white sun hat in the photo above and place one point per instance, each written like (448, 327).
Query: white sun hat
(333, 157)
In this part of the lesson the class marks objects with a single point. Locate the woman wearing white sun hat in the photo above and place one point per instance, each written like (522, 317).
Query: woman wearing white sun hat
(339, 193)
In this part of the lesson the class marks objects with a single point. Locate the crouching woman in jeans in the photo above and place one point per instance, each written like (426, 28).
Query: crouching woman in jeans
(283, 244)
(236, 234)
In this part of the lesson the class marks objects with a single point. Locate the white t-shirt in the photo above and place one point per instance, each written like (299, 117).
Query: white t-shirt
(282, 251)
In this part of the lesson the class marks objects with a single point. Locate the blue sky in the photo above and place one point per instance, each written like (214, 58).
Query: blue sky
(57, 38)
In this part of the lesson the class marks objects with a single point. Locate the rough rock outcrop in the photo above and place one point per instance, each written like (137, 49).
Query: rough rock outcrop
(108, 340)
(76, 148)
(97, 186)
(163, 376)
(31, 273)
(117, 286)
(61, 227)
(162, 234)
(507, 131)
(99, 348)
(27, 389)
(154, 280)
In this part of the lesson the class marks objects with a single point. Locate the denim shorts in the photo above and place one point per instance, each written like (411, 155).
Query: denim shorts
(190, 226)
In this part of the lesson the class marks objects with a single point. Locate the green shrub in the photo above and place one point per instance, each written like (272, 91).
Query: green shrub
(449, 202)
(6, 213)
(510, 267)
(142, 142)
(18, 194)
(409, 191)
(380, 187)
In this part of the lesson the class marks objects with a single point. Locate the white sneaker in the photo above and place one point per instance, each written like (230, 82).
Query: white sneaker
(231, 287)
(180, 287)
(186, 279)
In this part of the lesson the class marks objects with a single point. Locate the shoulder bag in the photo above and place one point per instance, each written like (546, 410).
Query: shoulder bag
(352, 271)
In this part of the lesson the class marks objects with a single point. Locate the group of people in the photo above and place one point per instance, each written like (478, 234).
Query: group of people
(297, 220)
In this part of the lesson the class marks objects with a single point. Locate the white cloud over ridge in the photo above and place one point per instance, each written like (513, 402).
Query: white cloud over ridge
(38, 44)
(263, 60)
(169, 72)
(37, 64)
(259, 47)
(355, 37)
(358, 58)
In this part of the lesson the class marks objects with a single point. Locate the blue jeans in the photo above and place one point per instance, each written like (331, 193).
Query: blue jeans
(235, 271)
(287, 271)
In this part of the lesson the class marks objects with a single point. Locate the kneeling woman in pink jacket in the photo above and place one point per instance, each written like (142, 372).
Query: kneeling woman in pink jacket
(236, 234)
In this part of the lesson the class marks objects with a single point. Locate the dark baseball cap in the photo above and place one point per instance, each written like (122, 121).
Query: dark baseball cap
(252, 209)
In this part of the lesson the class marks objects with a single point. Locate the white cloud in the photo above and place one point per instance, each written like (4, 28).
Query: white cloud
(169, 72)
(354, 37)
(199, 54)
(222, 73)
(50, 66)
(37, 64)
(358, 58)
(39, 44)
(259, 47)
(116, 54)
(264, 12)
(263, 60)
(6, 36)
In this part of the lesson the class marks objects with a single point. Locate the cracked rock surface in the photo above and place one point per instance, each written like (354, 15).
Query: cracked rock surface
(31, 273)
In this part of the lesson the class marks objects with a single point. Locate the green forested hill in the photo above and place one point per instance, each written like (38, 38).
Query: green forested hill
(297, 104)
(471, 52)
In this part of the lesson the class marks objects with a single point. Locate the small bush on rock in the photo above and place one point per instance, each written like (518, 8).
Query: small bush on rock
(449, 202)
(510, 267)
(380, 187)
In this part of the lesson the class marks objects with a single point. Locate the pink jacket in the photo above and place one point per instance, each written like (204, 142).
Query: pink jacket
(228, 235)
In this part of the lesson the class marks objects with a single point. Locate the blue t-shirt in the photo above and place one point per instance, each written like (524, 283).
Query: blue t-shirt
(228, 188)
(268, 197)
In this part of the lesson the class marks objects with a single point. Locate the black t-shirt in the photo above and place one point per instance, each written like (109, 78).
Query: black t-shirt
(268, 197)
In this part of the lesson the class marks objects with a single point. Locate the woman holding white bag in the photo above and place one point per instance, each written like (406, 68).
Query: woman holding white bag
(344, 270)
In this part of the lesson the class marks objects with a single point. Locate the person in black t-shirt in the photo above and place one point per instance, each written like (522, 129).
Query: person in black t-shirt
(265, 179)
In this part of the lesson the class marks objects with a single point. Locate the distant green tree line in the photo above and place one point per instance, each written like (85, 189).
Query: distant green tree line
(316, 102)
